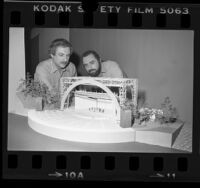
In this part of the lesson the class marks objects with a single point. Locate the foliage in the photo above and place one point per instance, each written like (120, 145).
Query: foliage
(128, 105)
(170, 113)
(35, 88)
(166, 114)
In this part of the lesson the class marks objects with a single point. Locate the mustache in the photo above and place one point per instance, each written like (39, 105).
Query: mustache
(64, 62)
(92, 70)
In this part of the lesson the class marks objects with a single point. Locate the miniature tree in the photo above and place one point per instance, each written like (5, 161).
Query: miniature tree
(32, 89)
(170, 114)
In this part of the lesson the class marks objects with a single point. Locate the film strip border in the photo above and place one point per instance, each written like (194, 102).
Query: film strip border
(117, 16)
(102, 166)
(112, 20)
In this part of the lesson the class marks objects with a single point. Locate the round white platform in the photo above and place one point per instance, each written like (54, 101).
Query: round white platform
(78, 126)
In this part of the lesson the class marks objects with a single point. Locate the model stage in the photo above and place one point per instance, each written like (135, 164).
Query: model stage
(100, 117)
(78, 126)
(95, 117)
(85, 127)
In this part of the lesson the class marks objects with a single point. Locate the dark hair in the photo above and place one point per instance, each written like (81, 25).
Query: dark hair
(95, 54)
(59, 42)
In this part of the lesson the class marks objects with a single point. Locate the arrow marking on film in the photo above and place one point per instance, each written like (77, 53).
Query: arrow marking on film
(56, 174)
(158, 175)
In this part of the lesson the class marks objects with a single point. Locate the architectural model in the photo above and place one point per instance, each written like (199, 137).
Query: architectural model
(108, 103)
(99, 110)
(95, 116)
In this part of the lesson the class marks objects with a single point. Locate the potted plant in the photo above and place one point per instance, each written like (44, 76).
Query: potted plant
(36, 95)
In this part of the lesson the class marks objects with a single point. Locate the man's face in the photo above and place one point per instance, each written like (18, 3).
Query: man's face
(91, 64)
(61, 57)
